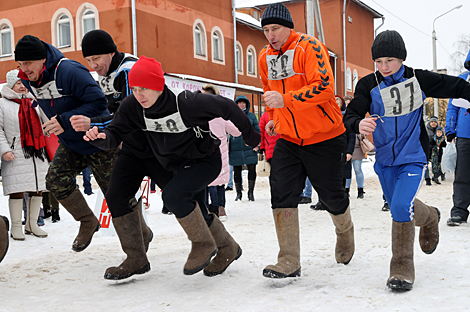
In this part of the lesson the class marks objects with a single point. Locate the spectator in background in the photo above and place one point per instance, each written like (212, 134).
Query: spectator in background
(431, 127)
(50, 206)
(356, 160)
(268, 142)
(458, 130)
(438, 143)
(241, 154)
(220, 128)
(24, 156)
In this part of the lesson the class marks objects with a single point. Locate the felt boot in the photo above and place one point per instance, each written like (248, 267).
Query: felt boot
(402, 269)
(203, 245)
(344, 250)
(427, 218)
(77, 206)
(129, 229)
(228, 249)
(4, 242)
(286, 221)
(147, 233)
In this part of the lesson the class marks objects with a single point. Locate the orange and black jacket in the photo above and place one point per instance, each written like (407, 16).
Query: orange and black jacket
(310, 113)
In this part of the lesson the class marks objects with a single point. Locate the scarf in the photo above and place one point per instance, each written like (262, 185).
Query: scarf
(32, 137)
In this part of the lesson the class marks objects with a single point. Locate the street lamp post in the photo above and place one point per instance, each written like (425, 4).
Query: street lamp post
(434, 56)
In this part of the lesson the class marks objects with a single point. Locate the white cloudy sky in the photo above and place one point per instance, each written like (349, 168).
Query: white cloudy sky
(414, 20)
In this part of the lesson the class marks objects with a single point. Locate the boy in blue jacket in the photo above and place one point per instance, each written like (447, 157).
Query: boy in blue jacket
(394, 97)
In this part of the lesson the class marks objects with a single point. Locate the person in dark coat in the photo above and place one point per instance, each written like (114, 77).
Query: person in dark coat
(431, 127)
(438, 143)
(242, 154)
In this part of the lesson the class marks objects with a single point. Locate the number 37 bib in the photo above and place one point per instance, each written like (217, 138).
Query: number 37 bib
(402, 98)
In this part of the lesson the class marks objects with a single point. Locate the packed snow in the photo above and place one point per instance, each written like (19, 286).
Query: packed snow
(46, 275)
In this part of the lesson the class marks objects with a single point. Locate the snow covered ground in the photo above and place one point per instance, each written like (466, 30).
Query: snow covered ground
(46, 275)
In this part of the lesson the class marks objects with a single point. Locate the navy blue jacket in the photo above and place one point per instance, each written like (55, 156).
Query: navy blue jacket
(458, 120)
(82, 96)
(239, 153)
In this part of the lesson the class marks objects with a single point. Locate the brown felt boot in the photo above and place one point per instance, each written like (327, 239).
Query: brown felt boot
(288, 259)
(77, 206)
(203, 245)
(147, 233)
(129, 229)
(427, 218)
(227, 249)
(4, 242)
(344, 250)
(402, 269)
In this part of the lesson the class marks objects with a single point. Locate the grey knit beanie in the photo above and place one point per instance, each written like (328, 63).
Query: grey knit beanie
(12, 78)
(277, 13)
(388, 43)
(433, 118)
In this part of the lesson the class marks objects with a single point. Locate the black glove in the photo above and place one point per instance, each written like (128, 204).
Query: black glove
(261, 151)
(450, 137)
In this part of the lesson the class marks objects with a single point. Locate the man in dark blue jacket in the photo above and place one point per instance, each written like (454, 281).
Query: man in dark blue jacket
(64, 88)
(458, 128)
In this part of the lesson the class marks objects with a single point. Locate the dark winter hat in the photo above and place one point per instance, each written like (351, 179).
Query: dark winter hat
(277, 13)
(434, 118)
(467, 65)
(439, 128)
(388, 43)
(97, 42)
(30, 48)
(147, 73)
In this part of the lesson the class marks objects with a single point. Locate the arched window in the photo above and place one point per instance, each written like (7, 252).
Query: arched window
(63, 36)
(251, 61)
(348, 79)
(239, 58)
(200, 42)
(5, 40)
(218, 46)
(355, 79)
(87, 19)
(63, 32)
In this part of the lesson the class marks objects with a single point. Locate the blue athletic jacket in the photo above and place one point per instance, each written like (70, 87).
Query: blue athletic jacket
(400, 140)
(82, 96)
(458, 121)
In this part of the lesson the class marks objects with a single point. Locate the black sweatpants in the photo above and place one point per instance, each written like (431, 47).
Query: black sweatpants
(180, 190)
(461, 195)
(321, 162)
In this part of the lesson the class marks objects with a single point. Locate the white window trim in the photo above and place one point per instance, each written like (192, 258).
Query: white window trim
(240, 49)
(348, 79)
(355, 79)
(10, 57)
(221, 46)
(255, 62)
(54, 34)
(79, 29)
(204, 40)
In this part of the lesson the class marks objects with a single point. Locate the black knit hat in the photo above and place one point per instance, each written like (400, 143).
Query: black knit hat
(30, 48)
(388, 43)
(277, 13)
(96, 42)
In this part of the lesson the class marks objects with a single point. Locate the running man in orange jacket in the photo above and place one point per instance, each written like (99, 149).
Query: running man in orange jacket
(299, 94)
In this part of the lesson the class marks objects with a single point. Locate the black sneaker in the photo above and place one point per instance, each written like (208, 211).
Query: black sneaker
(386, 207)
(436, 180)
(228, 188)
(166, 211)
(443, 177)
(455, 221)
(47, 213)
(305, 200)
(55, 215)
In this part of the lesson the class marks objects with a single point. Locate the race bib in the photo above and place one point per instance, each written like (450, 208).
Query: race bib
(402, 98)
(169, 124)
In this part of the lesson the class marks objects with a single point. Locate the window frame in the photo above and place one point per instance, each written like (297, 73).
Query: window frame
(240, 69)
(80, 32)
(220, 46)
(199, 26)
(251, 50)
(4, 29)
(55, 30)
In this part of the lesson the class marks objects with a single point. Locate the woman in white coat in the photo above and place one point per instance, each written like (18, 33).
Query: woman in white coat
(24, 158)
(220, 128)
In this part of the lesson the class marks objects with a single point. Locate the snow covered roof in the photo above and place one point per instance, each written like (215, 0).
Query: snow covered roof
(248, 20)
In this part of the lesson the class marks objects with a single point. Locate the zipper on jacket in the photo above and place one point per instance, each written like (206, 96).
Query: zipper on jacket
(325, 114)
(396, 135)
(13, 144)
(35, 174)
(293, 119)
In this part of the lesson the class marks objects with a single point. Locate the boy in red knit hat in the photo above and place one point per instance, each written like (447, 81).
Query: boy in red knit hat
(176, 126)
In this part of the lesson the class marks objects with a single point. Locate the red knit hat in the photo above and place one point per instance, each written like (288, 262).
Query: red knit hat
(147, 73)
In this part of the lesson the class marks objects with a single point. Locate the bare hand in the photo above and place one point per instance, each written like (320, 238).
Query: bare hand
(80, 123)
(273, 99)
(8, 156)
(52, 126)
(270, 128)
(367, 125)
(348, 157)
(94, 134)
